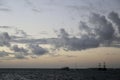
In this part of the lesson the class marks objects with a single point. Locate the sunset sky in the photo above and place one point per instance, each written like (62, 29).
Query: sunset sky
(59, 33)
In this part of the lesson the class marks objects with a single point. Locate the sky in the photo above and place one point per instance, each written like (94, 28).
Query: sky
(59, 33)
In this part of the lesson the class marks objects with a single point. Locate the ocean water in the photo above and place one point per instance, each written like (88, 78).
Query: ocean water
(58, 74)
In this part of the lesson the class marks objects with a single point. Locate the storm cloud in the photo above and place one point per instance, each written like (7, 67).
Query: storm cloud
(100, 31)
(102, 27)
(75, 43)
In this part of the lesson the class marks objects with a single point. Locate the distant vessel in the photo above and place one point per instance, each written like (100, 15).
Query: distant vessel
(102, 68)
(65, 68)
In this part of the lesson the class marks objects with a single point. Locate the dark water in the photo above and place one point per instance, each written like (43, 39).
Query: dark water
(58, 74)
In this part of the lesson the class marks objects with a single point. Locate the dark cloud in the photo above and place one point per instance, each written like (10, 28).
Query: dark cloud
(4, 39)
(63, 34)
(15, 48)
(84, 26)
(82, 43)
(84, 29)
(20, 52)
(61, 40)
(114, 17)
(102, 27)
(5, 35)
(37, 50)
(99, 32)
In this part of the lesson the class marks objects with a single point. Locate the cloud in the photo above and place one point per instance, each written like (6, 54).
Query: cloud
(20, 56)
(63, 34)
(6, 27)
(99, 32)
(5, 9)
(102, 27)
(6, 56)
(4, 39)
(74, 43)
(29, 41)
(84, 28)
(37, 50)
(20, 33)
(18, 38)
(43, 33)
(15, 48)
(61, 40)
(82, 43)
(3, 53)
(94, 33)
(22, 53)
(114, 17)
(5, 35)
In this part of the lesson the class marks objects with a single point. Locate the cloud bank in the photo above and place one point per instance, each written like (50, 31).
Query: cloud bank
(98, 31)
